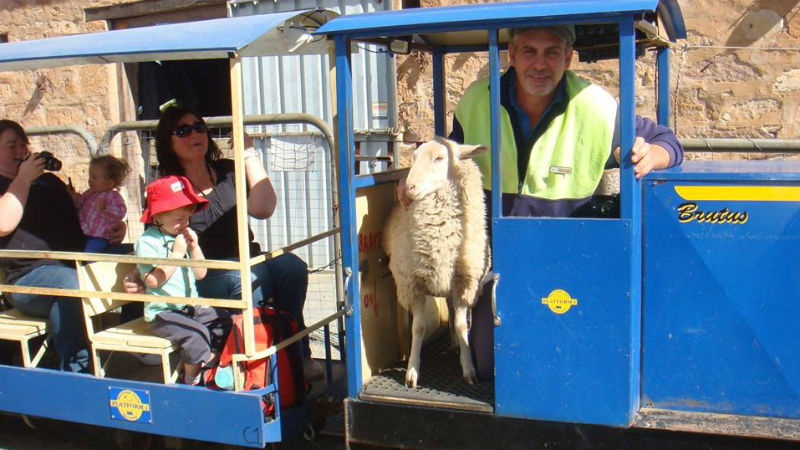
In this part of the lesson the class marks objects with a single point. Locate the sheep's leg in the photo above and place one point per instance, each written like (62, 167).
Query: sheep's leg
(467, 367)
(417, 336)
(451, 324)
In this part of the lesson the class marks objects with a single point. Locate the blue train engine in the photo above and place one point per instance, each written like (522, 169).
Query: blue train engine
(670, 310)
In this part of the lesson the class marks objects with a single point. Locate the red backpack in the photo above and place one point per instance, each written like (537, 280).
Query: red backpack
(271, 326)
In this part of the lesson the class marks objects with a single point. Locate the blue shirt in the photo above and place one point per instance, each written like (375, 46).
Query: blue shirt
(522, 119)
(521, 122)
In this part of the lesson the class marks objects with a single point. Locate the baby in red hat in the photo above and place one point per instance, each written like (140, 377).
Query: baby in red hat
(171, 201)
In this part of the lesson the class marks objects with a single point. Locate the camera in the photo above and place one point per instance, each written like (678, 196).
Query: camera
(50, 162)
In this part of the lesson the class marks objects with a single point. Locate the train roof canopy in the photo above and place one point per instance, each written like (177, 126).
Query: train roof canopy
(465, 24)
(263, 34)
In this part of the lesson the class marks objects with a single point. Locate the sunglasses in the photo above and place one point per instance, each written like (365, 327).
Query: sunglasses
(185, 130)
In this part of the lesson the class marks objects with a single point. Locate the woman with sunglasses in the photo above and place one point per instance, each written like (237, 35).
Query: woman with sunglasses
(184, 147)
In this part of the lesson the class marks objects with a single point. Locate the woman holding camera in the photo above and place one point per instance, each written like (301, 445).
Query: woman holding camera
(37, 213)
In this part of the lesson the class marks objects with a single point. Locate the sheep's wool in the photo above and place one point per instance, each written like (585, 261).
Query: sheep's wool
(439, 247)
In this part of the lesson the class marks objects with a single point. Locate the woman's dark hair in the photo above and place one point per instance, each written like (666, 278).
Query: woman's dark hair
(6, 124)
(167, 159)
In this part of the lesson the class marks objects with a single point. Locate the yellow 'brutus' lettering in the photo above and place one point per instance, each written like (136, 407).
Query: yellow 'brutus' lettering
(688, 212)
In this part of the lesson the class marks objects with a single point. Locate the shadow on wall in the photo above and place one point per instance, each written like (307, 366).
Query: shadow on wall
(755, 24)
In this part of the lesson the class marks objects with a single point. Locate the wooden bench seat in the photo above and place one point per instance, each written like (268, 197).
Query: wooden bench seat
(129, 337)
(15, 326)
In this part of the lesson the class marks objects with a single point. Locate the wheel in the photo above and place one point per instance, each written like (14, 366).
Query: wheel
(131, 440)
(29, 421)
(173, 443)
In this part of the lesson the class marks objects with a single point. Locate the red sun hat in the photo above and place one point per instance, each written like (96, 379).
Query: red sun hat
(168, 193)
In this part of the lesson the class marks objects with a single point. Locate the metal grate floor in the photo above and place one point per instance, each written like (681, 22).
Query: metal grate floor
(440, 382)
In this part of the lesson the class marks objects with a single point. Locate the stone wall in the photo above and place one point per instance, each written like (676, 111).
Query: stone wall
(91, 97)
(86, 96)
(735, 76)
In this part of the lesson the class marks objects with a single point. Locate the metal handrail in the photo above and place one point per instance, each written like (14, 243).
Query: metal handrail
(44, 130)
(217, 121)
(275, 348)
(724, 145)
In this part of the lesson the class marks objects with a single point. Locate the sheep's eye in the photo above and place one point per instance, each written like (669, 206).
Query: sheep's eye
(438, 159)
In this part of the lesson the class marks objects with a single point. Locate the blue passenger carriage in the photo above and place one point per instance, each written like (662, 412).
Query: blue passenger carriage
(234, 417)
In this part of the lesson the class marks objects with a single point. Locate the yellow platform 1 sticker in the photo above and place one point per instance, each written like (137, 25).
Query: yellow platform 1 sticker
(559, 301)
(132, 405)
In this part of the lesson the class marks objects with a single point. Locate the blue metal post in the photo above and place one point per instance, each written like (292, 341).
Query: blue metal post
(494, 117)
(629, 187)
(439, 99)
(631, 206)
(347, 193)
(662, 93)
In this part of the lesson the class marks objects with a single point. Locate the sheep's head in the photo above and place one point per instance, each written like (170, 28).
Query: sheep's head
(433, 163)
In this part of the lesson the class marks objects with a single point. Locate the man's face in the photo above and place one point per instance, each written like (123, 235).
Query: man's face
(540, 58)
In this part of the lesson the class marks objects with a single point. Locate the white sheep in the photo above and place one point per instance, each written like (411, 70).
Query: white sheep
(438, 246)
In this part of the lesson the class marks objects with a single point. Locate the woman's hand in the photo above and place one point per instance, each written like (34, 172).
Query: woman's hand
(13, 201)
(248, 143)
(262, 200)
(31, 168)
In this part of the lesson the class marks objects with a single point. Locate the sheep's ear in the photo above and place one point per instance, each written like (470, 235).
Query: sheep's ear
(470, 151)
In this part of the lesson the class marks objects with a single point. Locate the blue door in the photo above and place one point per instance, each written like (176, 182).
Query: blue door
(563, 347)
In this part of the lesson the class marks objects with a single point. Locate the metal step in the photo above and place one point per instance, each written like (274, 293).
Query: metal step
(440, 383)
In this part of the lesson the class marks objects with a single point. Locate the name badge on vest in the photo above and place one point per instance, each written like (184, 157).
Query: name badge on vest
(561, 170)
